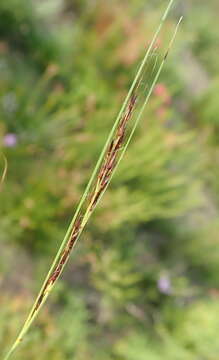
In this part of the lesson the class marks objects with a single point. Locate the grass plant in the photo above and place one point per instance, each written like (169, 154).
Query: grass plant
(113, 151)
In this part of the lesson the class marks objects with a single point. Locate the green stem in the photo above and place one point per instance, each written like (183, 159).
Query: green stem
(33, 312)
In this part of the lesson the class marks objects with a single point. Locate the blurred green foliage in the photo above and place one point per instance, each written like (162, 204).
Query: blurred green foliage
(143, 282)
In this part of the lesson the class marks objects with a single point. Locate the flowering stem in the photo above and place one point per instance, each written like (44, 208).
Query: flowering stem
(112, 153)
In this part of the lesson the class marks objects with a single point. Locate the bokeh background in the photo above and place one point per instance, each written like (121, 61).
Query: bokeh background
(143, 282)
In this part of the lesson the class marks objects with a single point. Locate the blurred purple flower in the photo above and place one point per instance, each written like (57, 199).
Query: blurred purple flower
(10, 140)
(164, 284)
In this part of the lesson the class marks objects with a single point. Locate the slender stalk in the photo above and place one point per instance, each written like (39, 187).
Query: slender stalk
(112, 153)
(5, 169)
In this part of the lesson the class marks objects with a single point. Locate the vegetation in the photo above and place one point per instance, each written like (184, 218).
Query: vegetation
(143, 281)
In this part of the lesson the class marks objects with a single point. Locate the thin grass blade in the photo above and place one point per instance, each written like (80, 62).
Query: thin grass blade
(5, 169)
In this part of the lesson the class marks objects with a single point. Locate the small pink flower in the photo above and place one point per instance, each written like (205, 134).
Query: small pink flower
(161, 91)
(164, 284)
(10, 140)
